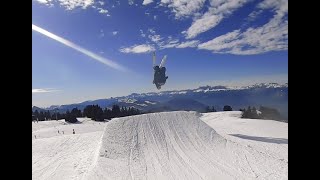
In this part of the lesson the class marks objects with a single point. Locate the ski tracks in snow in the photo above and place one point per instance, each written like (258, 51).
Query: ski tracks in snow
(174, 146)
(157, 146)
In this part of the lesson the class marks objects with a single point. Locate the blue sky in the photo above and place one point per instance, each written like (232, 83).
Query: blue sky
(86, 49)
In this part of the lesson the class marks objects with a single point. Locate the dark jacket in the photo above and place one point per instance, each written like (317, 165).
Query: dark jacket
(159, 75)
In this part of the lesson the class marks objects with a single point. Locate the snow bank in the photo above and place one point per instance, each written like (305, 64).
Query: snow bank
(178, 145)
(170, 145)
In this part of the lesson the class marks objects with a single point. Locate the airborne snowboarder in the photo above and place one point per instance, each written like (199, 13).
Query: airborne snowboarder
(160, 77)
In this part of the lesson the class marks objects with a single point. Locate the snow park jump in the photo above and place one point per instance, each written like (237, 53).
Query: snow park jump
(169, 145)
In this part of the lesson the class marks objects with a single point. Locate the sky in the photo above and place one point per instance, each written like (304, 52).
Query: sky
(87, 49)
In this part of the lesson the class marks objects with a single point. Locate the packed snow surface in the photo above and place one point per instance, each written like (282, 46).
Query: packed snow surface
(168, 145)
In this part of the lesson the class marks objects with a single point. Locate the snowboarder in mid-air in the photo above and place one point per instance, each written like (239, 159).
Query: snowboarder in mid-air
(160, 77)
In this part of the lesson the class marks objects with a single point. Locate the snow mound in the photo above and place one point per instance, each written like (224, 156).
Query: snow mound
(170, 145)
(174, 146)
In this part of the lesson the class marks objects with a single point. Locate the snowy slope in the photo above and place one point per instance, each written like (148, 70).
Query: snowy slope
(64, 156)
(46, 129)
(263, 137)
(178, 145)
(169, 145)
(268, 136)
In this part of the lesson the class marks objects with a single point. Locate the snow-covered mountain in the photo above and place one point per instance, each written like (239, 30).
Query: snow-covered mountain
(35, 108)
(266, 94)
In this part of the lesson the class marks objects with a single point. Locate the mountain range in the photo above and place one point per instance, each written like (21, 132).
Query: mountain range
(266, 94)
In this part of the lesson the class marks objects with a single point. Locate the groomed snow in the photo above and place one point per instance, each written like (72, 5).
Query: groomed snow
(267, 140)
(64, 155)
(169, 145)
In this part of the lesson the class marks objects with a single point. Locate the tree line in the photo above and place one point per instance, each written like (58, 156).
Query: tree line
(94, 112)
(225, 108)
(261, 113)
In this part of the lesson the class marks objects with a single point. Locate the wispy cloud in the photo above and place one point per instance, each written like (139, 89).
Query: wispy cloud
(101, 3)
(183, 8)
(101, 33)
(79, 48)
(115, 33)
(142, 33)
(216, 13)
(176, 44)
(74, 4)
(202, 21)
(186, 44)
(171, 43)
(253, 15)
(45, 2)
(146, 2)
(137, 49)
(155, 38)
(131, 2)
(272, 36)
(151, 30)
(102, 11)
(45, 90)
(166, 42)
